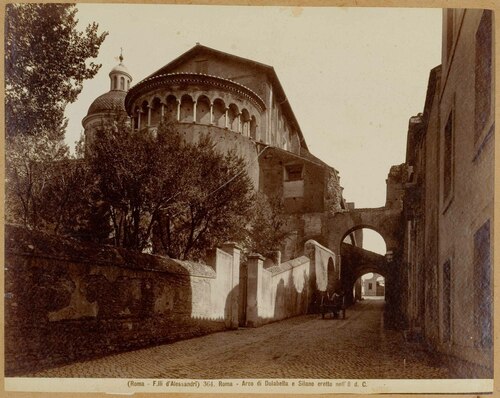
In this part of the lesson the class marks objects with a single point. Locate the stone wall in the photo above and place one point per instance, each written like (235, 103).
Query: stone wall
(67, 301)
(225, 141)
(305, 194)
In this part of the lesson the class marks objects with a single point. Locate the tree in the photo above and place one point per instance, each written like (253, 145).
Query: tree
(191, 196)
(215, 204)
(45, 66)
(135, 179)
(267, 228)
(45, 189)
(26, 178)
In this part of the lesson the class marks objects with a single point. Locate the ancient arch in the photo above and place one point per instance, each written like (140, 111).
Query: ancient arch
(245, 122)
(387, 222)
(186, 110)
(171, 108)
(233, 118)
(355, 261)
(203, 110)
(219, 111)
(155, 111)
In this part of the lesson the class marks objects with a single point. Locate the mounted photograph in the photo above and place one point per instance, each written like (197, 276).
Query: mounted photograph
(248, 199)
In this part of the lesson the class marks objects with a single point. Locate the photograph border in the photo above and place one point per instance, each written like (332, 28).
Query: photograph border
(64, 387)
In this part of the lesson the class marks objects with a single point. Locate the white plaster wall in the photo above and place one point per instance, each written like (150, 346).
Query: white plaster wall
(284, 294)
(210, 294)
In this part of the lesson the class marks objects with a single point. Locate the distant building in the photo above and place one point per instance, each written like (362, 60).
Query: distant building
(373, 286)
(449, 198)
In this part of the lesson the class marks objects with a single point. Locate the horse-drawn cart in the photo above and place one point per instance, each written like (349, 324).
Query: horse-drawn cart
(334, 303)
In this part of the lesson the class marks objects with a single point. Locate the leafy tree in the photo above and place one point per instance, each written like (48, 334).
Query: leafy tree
(135, 179)
(44, 187)
(191, 196)
(268, 226)
(215, 204)
(45, 66)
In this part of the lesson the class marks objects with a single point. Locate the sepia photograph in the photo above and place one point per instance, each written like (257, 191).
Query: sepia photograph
(228, 199)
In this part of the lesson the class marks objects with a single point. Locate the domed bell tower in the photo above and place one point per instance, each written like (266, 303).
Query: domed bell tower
(119, 76)
(107, 107)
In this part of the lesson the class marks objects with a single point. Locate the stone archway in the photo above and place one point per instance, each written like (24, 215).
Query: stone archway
(357, 262)
(388, 223)
(385, 221)
(372, 290)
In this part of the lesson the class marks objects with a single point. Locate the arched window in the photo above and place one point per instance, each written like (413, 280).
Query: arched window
(122, 83)
(156, 112)
(245, 123)
(219, 113)
(203, 110)
(171, 109)
(187, 105)
(233, 117)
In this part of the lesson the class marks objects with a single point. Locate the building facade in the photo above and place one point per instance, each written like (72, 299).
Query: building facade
(242, 106)
(449, 197)
(373, 286)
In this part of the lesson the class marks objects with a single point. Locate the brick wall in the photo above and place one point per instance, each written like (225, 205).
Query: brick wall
(66, 300)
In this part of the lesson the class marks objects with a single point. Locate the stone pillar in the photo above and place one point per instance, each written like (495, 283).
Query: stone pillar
(178, 110)
(339, 263)
(278, 257)
(149, 115)
(194, 111)
(234, 250)
(227, 118)
(138, 120)
(255, 267)
(162, 111)
(239, 123)
(357, 290)
(211, 113)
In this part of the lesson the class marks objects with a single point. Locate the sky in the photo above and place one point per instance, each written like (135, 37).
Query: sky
(353, 76)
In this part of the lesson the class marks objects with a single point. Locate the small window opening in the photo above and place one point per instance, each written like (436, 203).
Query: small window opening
(293, 172)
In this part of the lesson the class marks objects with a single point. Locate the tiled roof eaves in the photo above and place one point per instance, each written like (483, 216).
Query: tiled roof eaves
(227, 84)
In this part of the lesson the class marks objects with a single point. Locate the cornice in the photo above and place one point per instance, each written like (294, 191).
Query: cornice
(155, 82)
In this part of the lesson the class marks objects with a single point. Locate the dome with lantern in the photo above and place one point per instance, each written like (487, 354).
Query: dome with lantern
(111, 103)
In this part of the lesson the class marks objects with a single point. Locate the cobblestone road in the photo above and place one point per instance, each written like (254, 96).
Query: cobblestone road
(301, 347)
